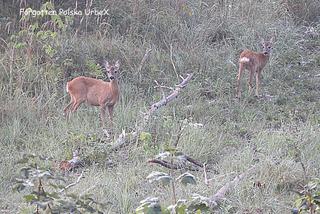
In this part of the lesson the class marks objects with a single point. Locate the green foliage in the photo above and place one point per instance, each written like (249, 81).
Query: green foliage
(152, 205)
(47, 189)
(39, 54)
(309, 198)
(145, 137)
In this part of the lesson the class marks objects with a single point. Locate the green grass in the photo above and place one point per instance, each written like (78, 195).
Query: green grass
(206, 43)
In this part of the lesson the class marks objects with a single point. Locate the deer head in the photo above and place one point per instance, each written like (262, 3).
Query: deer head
(267, 46)
(112, 70)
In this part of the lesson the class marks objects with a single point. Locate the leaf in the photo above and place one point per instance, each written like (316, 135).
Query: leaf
(19, 187)
(163, 155)
(187, 178)
(28, 183)
(180, 207)
(145, 137)
(197, 203)
(42, 174)
(25, 172)
(29, 198)
(159, 176)
(53, 195)
(42, 205)
(149, 205)
(171, 150)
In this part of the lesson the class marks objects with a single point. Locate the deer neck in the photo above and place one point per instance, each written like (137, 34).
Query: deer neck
(114, 85)
(264, 57)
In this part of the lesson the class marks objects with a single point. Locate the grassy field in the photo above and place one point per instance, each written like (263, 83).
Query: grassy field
(278, 132)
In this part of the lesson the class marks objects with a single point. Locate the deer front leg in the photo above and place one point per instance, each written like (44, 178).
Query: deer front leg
(239, 80)
(102, 115)
(258, 75)
(110, 109)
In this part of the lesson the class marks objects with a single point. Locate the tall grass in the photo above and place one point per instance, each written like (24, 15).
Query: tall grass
(200, 37)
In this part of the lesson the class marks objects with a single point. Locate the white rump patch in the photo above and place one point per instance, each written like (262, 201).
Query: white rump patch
(244, 59)
(67, 87)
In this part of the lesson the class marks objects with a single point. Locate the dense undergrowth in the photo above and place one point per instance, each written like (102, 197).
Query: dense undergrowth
(38, 55)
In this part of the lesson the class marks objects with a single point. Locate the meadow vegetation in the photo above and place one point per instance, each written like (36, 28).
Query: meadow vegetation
(279, 132)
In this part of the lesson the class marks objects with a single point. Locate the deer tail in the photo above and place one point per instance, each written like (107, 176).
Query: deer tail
(244, 59)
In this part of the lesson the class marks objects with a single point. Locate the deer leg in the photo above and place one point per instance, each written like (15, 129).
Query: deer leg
(239, 80)
(257, 83)
(102, 115)
(76, 105)
(250, 82)
(110, 109)
(66, 110)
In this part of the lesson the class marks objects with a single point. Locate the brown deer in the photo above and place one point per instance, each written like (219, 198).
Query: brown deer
(254, 62)
(95, 92)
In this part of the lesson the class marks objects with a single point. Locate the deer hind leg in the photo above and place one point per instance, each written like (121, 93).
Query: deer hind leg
(66, 110)
(76, 105)
(250, 82)
(241, 68)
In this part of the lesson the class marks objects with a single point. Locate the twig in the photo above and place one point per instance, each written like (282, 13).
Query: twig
(215, 199)
(171, 165)
(181, 128)
(169, 98)
(164, 101)
(171, 59)
(206, 180)
(144, 59)
(195, 162)
(72, 184)
(161, 89)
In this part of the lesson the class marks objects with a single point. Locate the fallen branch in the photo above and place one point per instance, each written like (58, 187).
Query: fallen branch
(122, 140)
(144, 59)
(171, 165)
(72, 184)
(164, 101)
(195, 162)
(171, 59)
(215, 199)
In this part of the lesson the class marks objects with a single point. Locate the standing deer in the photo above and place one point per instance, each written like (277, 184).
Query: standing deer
(95, 92)
(254, 62)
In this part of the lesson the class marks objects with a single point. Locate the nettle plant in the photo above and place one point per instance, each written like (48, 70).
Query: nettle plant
(173, 160)
(38, 33)
(47, 191)
(309, 198)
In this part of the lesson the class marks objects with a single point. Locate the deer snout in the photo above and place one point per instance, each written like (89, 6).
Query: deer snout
(111, 77)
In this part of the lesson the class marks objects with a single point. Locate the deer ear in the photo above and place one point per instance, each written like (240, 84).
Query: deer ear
(106, 64)
(271, 40)
(117, 64)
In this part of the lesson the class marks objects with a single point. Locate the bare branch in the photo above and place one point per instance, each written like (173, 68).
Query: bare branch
(144, 59)
(161, 89)
(206, 180)
(195, 162)
(169, 98)
(215, 199)
(171, 59)
(171, 165)
(72, 184)
(141, 124)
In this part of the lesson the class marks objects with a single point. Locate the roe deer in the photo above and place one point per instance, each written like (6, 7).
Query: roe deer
(95, 92)
(254, 62)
